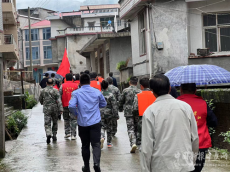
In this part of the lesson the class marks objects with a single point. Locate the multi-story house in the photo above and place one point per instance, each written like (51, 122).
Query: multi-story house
(167, 34)
(41, 49)
(94, 37)
(37, 14)
(9, 38)
(8, 54)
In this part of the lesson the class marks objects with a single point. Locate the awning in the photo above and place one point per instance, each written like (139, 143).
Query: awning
(99, 39)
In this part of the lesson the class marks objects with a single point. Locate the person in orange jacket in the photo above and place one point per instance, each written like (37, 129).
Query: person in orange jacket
(70, 121)
(93, 81)
(141, 102)
(77, 81)
(205, 118)
(99, 78)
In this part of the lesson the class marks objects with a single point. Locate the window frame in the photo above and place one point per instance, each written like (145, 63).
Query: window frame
(44, 32)
(28, 53)
(34, 32)
(45, 49)
(143, 32)
(218, 28)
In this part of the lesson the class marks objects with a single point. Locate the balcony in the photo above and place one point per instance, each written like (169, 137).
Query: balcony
(9, 48)
(100, 13)
(130, 7)
(9, 12)
(85, 30)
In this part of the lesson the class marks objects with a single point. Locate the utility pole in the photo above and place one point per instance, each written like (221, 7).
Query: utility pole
(2, 116)
(31, 60)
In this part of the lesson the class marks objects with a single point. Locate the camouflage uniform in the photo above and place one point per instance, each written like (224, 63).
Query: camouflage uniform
(136, 114)
(52, 105)
(54, 81)
(117, 94)
(70, 121)
(126, 103)
(107, 114)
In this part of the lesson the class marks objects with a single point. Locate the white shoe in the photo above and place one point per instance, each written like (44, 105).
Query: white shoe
(102, 142)
(134, 147)
(67, 136)
(73, 138)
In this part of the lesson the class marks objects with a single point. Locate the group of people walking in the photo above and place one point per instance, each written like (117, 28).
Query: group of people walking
(171, 134)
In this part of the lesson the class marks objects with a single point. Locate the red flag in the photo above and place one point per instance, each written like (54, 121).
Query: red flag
(65, 65)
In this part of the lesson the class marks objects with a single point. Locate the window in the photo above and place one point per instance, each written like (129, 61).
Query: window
(47, 52)
(104, 21)
(35, 53)
(217, 31)
(34, 35)
(46, 33)
(142, 39)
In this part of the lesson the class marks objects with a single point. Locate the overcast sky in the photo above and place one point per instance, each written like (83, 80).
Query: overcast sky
(61, 5)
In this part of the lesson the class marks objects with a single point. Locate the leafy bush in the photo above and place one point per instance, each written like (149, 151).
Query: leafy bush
(120, 65)
(30, 101)
(212, 107)
(16, 122)
(129, 79)
(226, 136)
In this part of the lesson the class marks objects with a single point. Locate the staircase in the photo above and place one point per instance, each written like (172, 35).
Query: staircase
(8, 110)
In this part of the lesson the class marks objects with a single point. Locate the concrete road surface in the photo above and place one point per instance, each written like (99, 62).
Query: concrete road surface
(31, 153)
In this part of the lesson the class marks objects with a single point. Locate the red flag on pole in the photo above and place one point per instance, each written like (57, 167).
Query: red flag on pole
(65, 65)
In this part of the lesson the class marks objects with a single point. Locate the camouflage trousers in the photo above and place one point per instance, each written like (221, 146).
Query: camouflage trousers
(107, 126)
(114, 125)
(70, 122)
(132, 129)
(51, 117)
(139, 130)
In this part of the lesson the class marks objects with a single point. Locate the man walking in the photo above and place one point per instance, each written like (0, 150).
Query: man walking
(53, 78)
(52, 106)
(70, 121)
(44, 81)
(88, 101)
(169, 132)
(126, 103)
(205, 118)
(141, 102)
(93, 81)
(114, 79)
(117, 94)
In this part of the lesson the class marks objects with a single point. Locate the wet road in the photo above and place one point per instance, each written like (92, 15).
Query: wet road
(31, 153)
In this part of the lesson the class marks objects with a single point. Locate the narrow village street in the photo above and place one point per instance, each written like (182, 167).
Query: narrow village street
(31, 153)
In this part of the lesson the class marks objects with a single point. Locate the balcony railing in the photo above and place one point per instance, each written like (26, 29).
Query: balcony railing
(93, 29)
(13, 7)
(9, 39)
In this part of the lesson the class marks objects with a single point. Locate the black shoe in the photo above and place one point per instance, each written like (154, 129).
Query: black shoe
(59, 117)
(48, 139)
(54, 138)
(96, 168)
(85, 169)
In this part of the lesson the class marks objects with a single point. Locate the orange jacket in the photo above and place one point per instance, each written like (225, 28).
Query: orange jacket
(100, 79)
(95, 84)
(145, 99)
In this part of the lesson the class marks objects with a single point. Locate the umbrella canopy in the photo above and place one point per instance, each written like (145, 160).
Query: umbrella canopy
(199, 74)
(56, 75)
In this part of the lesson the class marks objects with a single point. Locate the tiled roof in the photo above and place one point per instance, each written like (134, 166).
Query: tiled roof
(98, 7)
(43, 23)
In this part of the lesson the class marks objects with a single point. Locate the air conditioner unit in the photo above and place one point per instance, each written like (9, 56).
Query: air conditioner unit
(203, 52)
